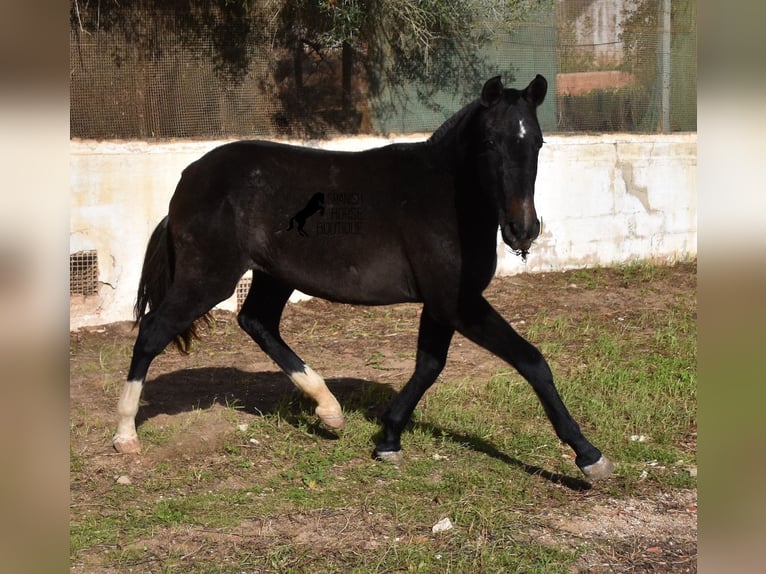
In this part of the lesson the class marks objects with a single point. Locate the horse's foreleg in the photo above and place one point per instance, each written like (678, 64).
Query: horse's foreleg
(483, 325)
(259, 318)
(433, 343)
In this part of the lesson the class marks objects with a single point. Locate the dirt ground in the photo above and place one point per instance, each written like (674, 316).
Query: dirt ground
(371, 347)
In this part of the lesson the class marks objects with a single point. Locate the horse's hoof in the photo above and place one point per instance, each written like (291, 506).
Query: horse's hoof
(126, 445)
(333, 421)
(336, 430)
(394, 457)
(599, 470)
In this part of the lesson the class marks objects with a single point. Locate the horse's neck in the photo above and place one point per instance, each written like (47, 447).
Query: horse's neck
(449, 140)
(450, 129)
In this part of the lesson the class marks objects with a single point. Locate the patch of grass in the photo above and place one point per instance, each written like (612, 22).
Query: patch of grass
(282, 495)
(632, 273)
(374, 361)
(641, 271)
(459, 553)
(590, 278)
(156, 435)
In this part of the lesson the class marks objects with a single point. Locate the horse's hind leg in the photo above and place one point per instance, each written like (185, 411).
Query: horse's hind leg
(259, 318)
(186, 301)
(154, 334)
(480, 323)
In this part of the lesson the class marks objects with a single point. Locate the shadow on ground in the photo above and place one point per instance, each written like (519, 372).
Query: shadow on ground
(259, 393)
(272, 393)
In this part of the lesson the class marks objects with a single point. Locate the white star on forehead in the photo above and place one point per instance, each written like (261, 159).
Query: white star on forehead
(522, 129)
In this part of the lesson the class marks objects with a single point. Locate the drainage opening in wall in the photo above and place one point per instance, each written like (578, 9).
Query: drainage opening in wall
(83, 273)
(242, 289)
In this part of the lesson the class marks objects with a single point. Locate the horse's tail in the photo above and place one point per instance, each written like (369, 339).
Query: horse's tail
(156, 278)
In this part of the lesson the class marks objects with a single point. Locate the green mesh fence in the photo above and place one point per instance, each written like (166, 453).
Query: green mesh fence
(204, 70)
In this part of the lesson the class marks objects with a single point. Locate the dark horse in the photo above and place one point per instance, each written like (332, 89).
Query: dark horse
(402, 223)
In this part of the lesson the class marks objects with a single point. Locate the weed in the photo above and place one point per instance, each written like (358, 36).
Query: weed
(374, 360)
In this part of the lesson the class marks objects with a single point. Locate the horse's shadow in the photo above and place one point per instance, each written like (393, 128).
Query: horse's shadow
(272, 393)
(480, 445)
(257, 393)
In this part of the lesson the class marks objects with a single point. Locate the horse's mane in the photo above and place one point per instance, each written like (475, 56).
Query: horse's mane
(453, 121)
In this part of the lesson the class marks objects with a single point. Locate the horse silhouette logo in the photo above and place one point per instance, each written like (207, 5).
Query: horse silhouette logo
(315, 205)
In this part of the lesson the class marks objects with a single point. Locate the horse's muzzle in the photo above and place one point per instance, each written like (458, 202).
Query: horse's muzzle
(520, 237)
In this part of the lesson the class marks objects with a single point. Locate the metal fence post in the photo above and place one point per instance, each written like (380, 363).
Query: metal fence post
(665, 65)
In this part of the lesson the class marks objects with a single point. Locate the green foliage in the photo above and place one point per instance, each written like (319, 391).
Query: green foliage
(436, 45)
(387, 44)
(225, 28)
(604, 110)
(640, 35)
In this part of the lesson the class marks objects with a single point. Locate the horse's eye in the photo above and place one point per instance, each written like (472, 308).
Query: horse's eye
(489, 143)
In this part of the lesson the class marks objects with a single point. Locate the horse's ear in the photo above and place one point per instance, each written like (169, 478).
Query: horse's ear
(491, 92)
(535, 92)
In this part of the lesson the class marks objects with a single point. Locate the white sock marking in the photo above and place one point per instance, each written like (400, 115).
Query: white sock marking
(309, 381)
(328, 407)
(127, 408)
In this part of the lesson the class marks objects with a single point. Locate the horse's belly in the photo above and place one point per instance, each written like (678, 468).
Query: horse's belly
(364, 277)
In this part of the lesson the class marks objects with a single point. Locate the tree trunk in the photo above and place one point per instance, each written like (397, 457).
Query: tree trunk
(347, 71)
(298, 67)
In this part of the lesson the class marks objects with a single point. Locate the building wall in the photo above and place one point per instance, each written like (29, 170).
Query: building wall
(603, 199)
(598, 24)
(612, 199)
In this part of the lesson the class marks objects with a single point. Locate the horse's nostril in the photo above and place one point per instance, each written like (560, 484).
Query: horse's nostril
(524, 232)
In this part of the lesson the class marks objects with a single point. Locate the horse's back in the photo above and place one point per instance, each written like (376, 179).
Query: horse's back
(359, 214)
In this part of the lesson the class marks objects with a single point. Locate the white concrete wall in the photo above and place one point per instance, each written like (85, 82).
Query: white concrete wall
(603, 199)
(612, 198)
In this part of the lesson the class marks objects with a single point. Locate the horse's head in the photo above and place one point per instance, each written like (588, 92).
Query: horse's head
(509, 140)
